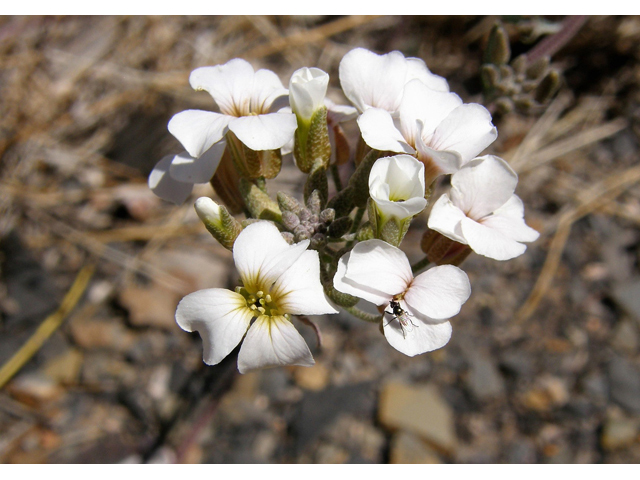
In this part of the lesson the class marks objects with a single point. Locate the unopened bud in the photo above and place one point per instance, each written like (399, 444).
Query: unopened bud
(224, 228)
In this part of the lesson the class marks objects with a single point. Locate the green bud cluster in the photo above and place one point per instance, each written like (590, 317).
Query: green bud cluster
(311, 221)
(519, 85)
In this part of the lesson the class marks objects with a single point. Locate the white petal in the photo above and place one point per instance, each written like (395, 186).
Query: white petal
(265, 132)
(431, 107)
(307, 89)
(261, 255)
(403, 173)
(467, 130)
(220, 316)
(380, 133)
(339, 113)
(371, 80)
(345, 285)
(266, 89)
(416, 68)
(197, 130)
(230, 85)
(163, 185)
(186, 168)
(400, 210)
(298, 290)
(489, 242)
(445, 218)
(509, 220)
(377, 270)
(482, 186)
(438, 293)
(422, 337)
(271, 342)
(437, 162)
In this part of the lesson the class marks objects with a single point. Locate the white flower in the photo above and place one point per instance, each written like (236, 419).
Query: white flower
(380, 273)
(436, 126)
(173, 177)
(307, 90)
(246, 99)
(279, 280)
(396, 185)
(482, 211)
(376, 81)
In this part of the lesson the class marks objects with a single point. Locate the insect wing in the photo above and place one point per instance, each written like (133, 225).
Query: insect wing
(405, 322)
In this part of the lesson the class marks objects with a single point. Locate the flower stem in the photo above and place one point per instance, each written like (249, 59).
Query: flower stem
(416, 267)
(362, 315)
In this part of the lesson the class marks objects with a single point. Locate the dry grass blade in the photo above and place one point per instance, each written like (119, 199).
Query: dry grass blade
(310, 36)
(48, 326)
(598, 195)
(572, 143)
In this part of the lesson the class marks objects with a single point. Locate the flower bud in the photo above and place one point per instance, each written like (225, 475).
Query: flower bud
(218, 222)
(397, 190)
(307, 89)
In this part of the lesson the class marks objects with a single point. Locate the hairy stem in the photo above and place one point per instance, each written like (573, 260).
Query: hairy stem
(362, 315)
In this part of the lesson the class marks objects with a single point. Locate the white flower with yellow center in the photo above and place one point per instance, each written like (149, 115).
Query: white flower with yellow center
(279, 280)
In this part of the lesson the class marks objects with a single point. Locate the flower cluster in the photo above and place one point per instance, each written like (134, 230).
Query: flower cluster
(339, 246)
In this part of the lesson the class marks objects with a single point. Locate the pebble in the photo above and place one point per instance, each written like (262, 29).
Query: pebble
(548, 392)
(151, 306)
(625, 337)
(420, 410)
(407, 448)
(619, 433)
(312, 378)
(627, 295)
(624, 380)
(484, 379)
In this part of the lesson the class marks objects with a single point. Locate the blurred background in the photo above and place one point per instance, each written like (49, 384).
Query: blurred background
(544, 362)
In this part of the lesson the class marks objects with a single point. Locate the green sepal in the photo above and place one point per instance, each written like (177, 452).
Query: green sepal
(259, 204)
(312, 141)
(225, 230)
(288, 203)
(317, 180)
(359, 181)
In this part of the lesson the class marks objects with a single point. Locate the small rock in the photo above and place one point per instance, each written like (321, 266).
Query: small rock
(312, 378)
(65, 368)
(517, 363)
(548, 392)
(624, 380)
(484, 380)
(407, 448)
(420, 410)
(625, 337)
(152, 306)
(521, 451)
(627, 295)
(596, 387)
(110, 334)
(34, 388)
(264, 446)
(619, 433)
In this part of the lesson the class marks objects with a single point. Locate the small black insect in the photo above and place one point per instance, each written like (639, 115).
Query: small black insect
(402, 316)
